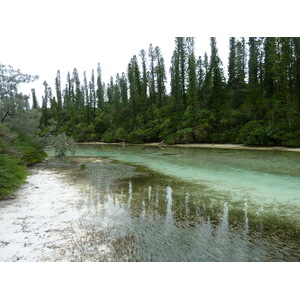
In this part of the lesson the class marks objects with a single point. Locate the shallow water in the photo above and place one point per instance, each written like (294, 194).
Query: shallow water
(113, 203)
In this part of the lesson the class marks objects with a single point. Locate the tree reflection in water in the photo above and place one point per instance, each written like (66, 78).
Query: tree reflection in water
(130, 213)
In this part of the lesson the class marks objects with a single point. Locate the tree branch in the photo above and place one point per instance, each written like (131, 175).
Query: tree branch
(6, 114)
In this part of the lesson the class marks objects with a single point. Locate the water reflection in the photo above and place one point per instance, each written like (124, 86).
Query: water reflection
(246, 217)
(169, 197)
(224, 219)
(130, 192)
(168, 202)
(144, 216)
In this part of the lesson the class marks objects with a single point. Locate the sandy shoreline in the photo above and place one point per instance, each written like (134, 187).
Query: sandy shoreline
(204, 146)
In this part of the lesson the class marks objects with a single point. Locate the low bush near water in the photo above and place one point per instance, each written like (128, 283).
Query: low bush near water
(12, 175)
(16, 151)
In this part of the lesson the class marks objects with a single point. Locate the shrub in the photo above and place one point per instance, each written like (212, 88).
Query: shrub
(121, 134)
(258, 133)
(171, 139)
(184, 136)
(167, 129)
(136, 137)
(20, 146)
(109, 137)
(29, 151)
(12, 175)
(100, 126)
(203, 131)
(290, 139)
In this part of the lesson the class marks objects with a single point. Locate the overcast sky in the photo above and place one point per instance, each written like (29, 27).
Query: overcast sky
(43, 36)
(40, 36)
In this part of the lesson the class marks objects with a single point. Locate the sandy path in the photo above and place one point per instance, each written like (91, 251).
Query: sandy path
(35, 219)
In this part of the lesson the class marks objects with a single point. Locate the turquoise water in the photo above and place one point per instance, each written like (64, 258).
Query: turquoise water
(178, 204)
(262, 176)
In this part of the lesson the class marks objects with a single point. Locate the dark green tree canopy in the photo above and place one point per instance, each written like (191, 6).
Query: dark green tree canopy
(201, 104)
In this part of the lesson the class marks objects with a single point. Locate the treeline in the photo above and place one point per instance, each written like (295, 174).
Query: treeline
(257, 102)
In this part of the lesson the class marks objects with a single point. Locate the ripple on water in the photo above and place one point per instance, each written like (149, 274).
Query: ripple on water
(95, 209)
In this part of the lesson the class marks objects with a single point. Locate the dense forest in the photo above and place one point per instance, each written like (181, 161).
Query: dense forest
(257, 102)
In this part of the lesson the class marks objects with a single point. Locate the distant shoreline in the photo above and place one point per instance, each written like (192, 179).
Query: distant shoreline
(203, 146)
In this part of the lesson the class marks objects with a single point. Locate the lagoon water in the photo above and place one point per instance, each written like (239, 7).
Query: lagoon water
(138, 203)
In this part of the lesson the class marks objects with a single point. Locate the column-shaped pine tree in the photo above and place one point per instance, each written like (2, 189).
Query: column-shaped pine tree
(232, 63)
(93, 97)
(217, 98)
(58, 94)
(46, 98)
(110, 91)
(285, 105)
(35, 104)
(135, 89)
(296, 69)
(192, 87)
(254, 78)
(181, 48)
(270, 61)
(175, 81)
(87, 102)
(236, 72)
(100, 89)
(124, 89)
(152, 76)
(144, 105)
(200, 72)
(160, 74)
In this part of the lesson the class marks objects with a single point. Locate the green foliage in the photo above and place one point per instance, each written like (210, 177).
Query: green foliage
(258, 133)
(26, 122)
(121, 134)
(140, 136)
(257, 104)
(16, 151)
(291, 139)
(100, 125)
(86, 133)
(203, 131)
(184, 136)
(204, 127)
(61, 143)
(51, 136)
(289, 136)
(20, 146)
(11, 101)
(19, 129)
(31, 153)
(167, 129)
(109, 137)
(12, 175)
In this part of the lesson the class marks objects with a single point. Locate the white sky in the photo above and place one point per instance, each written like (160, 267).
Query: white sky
(40, 36)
